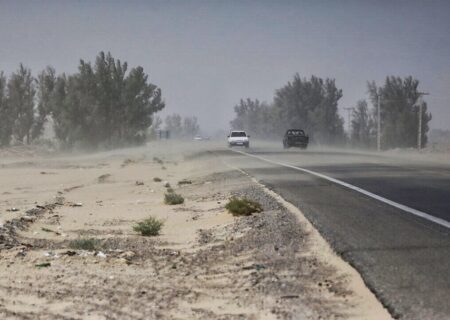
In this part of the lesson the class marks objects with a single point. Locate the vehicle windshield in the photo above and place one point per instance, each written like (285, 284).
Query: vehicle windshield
(296, 132)
(238, 134)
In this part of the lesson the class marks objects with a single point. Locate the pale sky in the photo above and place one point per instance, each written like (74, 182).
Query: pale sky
(207, 55)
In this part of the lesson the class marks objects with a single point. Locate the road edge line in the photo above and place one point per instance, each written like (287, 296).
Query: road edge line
(323, 251)
(394, 204)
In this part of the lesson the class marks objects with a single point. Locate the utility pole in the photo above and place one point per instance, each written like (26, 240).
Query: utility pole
(419, 131)
(378, 123)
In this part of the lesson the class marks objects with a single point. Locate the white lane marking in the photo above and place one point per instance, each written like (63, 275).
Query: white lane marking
(397, 205)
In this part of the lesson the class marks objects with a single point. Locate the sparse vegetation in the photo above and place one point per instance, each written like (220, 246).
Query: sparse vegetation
(173, 198)
(50, 230)
(103, 178)
(170, 190)
(156, 179)
(184, 181)
(242, 206)
(43, 265)
(127, 162)
(89, 244)
(149, 227)
(158, 160)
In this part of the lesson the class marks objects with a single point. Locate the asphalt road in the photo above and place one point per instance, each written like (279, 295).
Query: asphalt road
(404, 259)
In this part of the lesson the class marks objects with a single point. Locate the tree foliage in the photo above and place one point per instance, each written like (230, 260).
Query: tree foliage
(399, 112)
(257, 118)
(312, 105)
(362, 125)
(173, 123)
(100, 105)
(21, 92)
(5, 113)
(180, 127)
(190, 127)
(155, 127)
(45, 87)
(309, 104)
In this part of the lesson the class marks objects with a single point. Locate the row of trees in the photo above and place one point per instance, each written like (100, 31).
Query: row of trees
(181, 128)
(17, 108)
(103, 104)
(312, 104)
(400, 104)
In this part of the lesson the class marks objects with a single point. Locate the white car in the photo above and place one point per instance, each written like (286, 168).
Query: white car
(198, 138)
(238, 138)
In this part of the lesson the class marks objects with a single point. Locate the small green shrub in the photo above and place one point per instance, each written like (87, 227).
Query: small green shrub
(170, 190)
(242, 206)
(173, 198)
(104, 178)
(149, 227)
(127, 162)
(89, 244)
(43, 265)
(156, 179)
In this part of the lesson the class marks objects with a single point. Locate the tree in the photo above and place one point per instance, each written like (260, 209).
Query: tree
(174, 125)
(5, 114)
(362, 125)
(306, 104)
(73, 104)
(103, 105)
(142, 100)
(105, 86)
(399, 110)
(255, 117)
(100, 105)
(311, 105)
(190, 127)
(60, 111)
(21, 92)
(45, 86)
(180, 127)
(153, 129)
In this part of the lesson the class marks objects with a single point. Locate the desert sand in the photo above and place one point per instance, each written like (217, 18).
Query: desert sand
(205, 264)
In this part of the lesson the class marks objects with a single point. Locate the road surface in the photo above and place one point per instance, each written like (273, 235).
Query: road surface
(404, 258)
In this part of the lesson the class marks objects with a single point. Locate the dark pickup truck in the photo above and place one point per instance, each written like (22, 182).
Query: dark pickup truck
(295, 138)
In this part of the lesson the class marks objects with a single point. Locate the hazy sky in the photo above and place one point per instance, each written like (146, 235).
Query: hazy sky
(206, 55)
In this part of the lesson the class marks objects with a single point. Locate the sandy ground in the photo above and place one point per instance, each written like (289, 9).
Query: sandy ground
(205, 264)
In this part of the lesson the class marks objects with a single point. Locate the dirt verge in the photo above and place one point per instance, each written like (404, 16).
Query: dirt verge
(206, 264)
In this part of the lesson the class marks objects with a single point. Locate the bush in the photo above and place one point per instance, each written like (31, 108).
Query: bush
(184, 181)
(127, 162)
(170, 190)
(149, 227)
(158, 160)
(242, 206)
(156, 179)
(103, 178)
(89, 244)
(173, 198)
